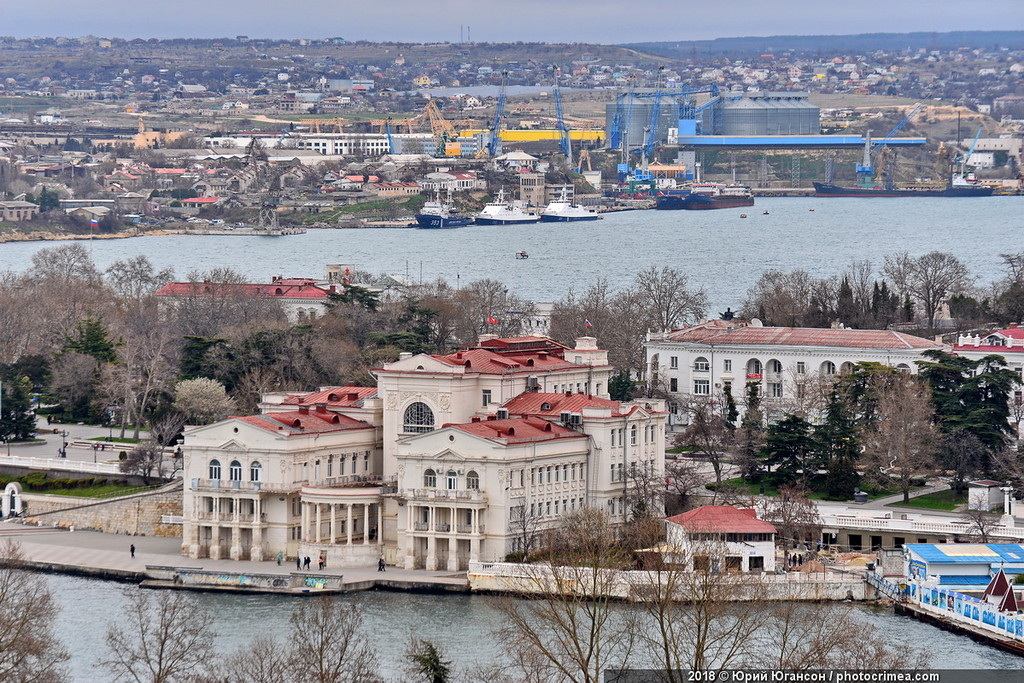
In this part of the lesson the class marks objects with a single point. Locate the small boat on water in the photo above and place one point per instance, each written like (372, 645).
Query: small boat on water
(436, 215)
(522, 255)
(563, 211)
(698, 196)
(502, 212)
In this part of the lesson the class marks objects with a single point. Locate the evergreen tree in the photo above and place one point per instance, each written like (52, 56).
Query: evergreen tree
(17, 420)
(790, 448)
(90, 338)
(620, 387)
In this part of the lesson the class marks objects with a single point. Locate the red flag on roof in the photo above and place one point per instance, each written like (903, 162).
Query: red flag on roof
(492, 320)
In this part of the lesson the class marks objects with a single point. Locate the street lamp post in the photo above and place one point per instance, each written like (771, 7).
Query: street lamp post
(64, 443)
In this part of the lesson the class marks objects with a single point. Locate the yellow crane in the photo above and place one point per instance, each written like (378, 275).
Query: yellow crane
(324, 125)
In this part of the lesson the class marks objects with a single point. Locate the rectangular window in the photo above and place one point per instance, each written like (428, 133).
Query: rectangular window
(549, 475)
(613, 438)
(485, 399)
(673, 384)
(557, 474)
(775, 389)
(613, 471)
(366, 463)
(727, 365)
(801, 368)
(702, 387)
(673, 362)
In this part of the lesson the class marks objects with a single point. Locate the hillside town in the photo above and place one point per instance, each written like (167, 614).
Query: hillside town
(622, 459)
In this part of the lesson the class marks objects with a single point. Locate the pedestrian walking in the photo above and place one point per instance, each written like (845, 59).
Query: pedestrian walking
(280, 557)
(380, 564)
(298, 562)
(323, 560)
(305, 563)
(132, 549)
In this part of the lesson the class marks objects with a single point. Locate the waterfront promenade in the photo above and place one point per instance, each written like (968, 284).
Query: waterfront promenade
(109, 556)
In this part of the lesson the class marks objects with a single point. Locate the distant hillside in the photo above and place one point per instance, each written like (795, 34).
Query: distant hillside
(864, 42)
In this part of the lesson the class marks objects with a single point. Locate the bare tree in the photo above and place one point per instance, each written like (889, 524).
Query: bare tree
(165, 428)
(264, 660)
(568, 629)
(980, 524)
(143, 460)
(327, 646)
(794, 514)
(136, 279)
(900, 447)
(524, 526)
(159, 639)
(709, 435)
(683, 478)
(929, 280)
(29, 650)
(670, 302)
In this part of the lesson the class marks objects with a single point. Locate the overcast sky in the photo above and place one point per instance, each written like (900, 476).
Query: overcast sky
(598, 21)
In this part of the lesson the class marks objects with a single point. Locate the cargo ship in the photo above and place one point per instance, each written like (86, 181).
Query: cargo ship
(701, 196)
(966, 188)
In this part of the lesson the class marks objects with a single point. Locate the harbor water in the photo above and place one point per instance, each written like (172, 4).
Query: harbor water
(462, 624)
(719, 250)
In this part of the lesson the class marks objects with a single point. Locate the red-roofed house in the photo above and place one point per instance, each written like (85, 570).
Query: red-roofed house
(301, 298)
(1008, 343)
(711, 535)
(703, 361)
(260, 484)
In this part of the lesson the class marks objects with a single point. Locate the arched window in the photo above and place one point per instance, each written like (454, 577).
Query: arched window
(256, 472)
(472, 480)
(775, 366)
(215, 469)
(701, 364)
(828, 368)
(632, 435)
(430, 479)
(754, 369)
(419, 418)
(452, 480)
(235, 471)
(903, 368)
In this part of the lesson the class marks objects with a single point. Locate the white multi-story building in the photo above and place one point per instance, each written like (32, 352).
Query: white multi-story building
(720, 538)
(452, 458)
(703, 361)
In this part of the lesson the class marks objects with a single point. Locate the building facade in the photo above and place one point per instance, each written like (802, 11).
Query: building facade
(452, 458)
(788, 364)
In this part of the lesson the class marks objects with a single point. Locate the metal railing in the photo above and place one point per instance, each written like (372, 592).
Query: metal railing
(61, 464)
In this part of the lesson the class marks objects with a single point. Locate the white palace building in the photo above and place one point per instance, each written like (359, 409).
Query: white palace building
(450, 459)
(702, 361)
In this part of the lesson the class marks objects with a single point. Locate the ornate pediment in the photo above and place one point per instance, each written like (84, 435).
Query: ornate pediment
(450, 456)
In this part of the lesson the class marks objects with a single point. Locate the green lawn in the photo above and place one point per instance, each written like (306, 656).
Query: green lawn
(771, 488)
(940, 500)
(104, 491)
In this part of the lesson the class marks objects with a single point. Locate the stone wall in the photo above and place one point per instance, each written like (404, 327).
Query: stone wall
(139, 514)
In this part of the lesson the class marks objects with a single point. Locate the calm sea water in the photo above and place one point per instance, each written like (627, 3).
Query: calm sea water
(719, 250)
(463, 625)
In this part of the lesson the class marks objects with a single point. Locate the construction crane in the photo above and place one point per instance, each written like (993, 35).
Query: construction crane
(865, 169)
(323, 125)
(563, 129)
(651, 132)
(494, 144)
(964, 158)
(391, 140)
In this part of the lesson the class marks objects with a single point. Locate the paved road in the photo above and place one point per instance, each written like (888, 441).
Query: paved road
(54, 437)
(97, 550)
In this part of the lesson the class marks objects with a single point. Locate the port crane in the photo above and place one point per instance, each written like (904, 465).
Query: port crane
(865, 169)
(961, 161)
(494, 144)
(563, 129)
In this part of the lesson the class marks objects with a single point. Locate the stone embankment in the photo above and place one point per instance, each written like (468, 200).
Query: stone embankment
(635, 586)
(141, 514)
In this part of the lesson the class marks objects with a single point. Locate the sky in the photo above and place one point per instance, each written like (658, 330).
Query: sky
(595, 21)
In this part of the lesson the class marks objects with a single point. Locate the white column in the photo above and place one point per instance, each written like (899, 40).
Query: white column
(304, 534)
(366, 523)
(431, 564)
(334, 523)
(453, 553)
(474, 550)
(348, 523)
(380, 522)
(316, 533)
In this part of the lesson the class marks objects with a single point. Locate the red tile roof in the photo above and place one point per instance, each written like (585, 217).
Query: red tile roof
(295, 423)
(747, 335)
(534, 404)
(281, 290)
(201, 200)
(1015, 333)
(490, 363)
(334, 397)
(517, 430)
(723, 519)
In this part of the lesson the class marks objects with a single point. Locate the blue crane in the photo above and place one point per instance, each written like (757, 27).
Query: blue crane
(563, 129)
(865, 169)
(494, 144)
(391, 139)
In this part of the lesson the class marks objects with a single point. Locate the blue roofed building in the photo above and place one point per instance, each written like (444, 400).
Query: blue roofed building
(962, 566)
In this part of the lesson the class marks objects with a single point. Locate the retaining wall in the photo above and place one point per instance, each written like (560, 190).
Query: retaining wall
(633, 585)
(139, 514)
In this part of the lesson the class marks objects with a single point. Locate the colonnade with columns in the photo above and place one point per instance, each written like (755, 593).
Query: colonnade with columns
(217, 516)
(434, 525)
(335, 522)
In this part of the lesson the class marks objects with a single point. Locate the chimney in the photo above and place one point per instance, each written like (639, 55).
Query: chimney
(404, 355)
(492, 417)
(321, 408)
(353, 396)
(475, 418)
(303, 410)
(332, 289)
